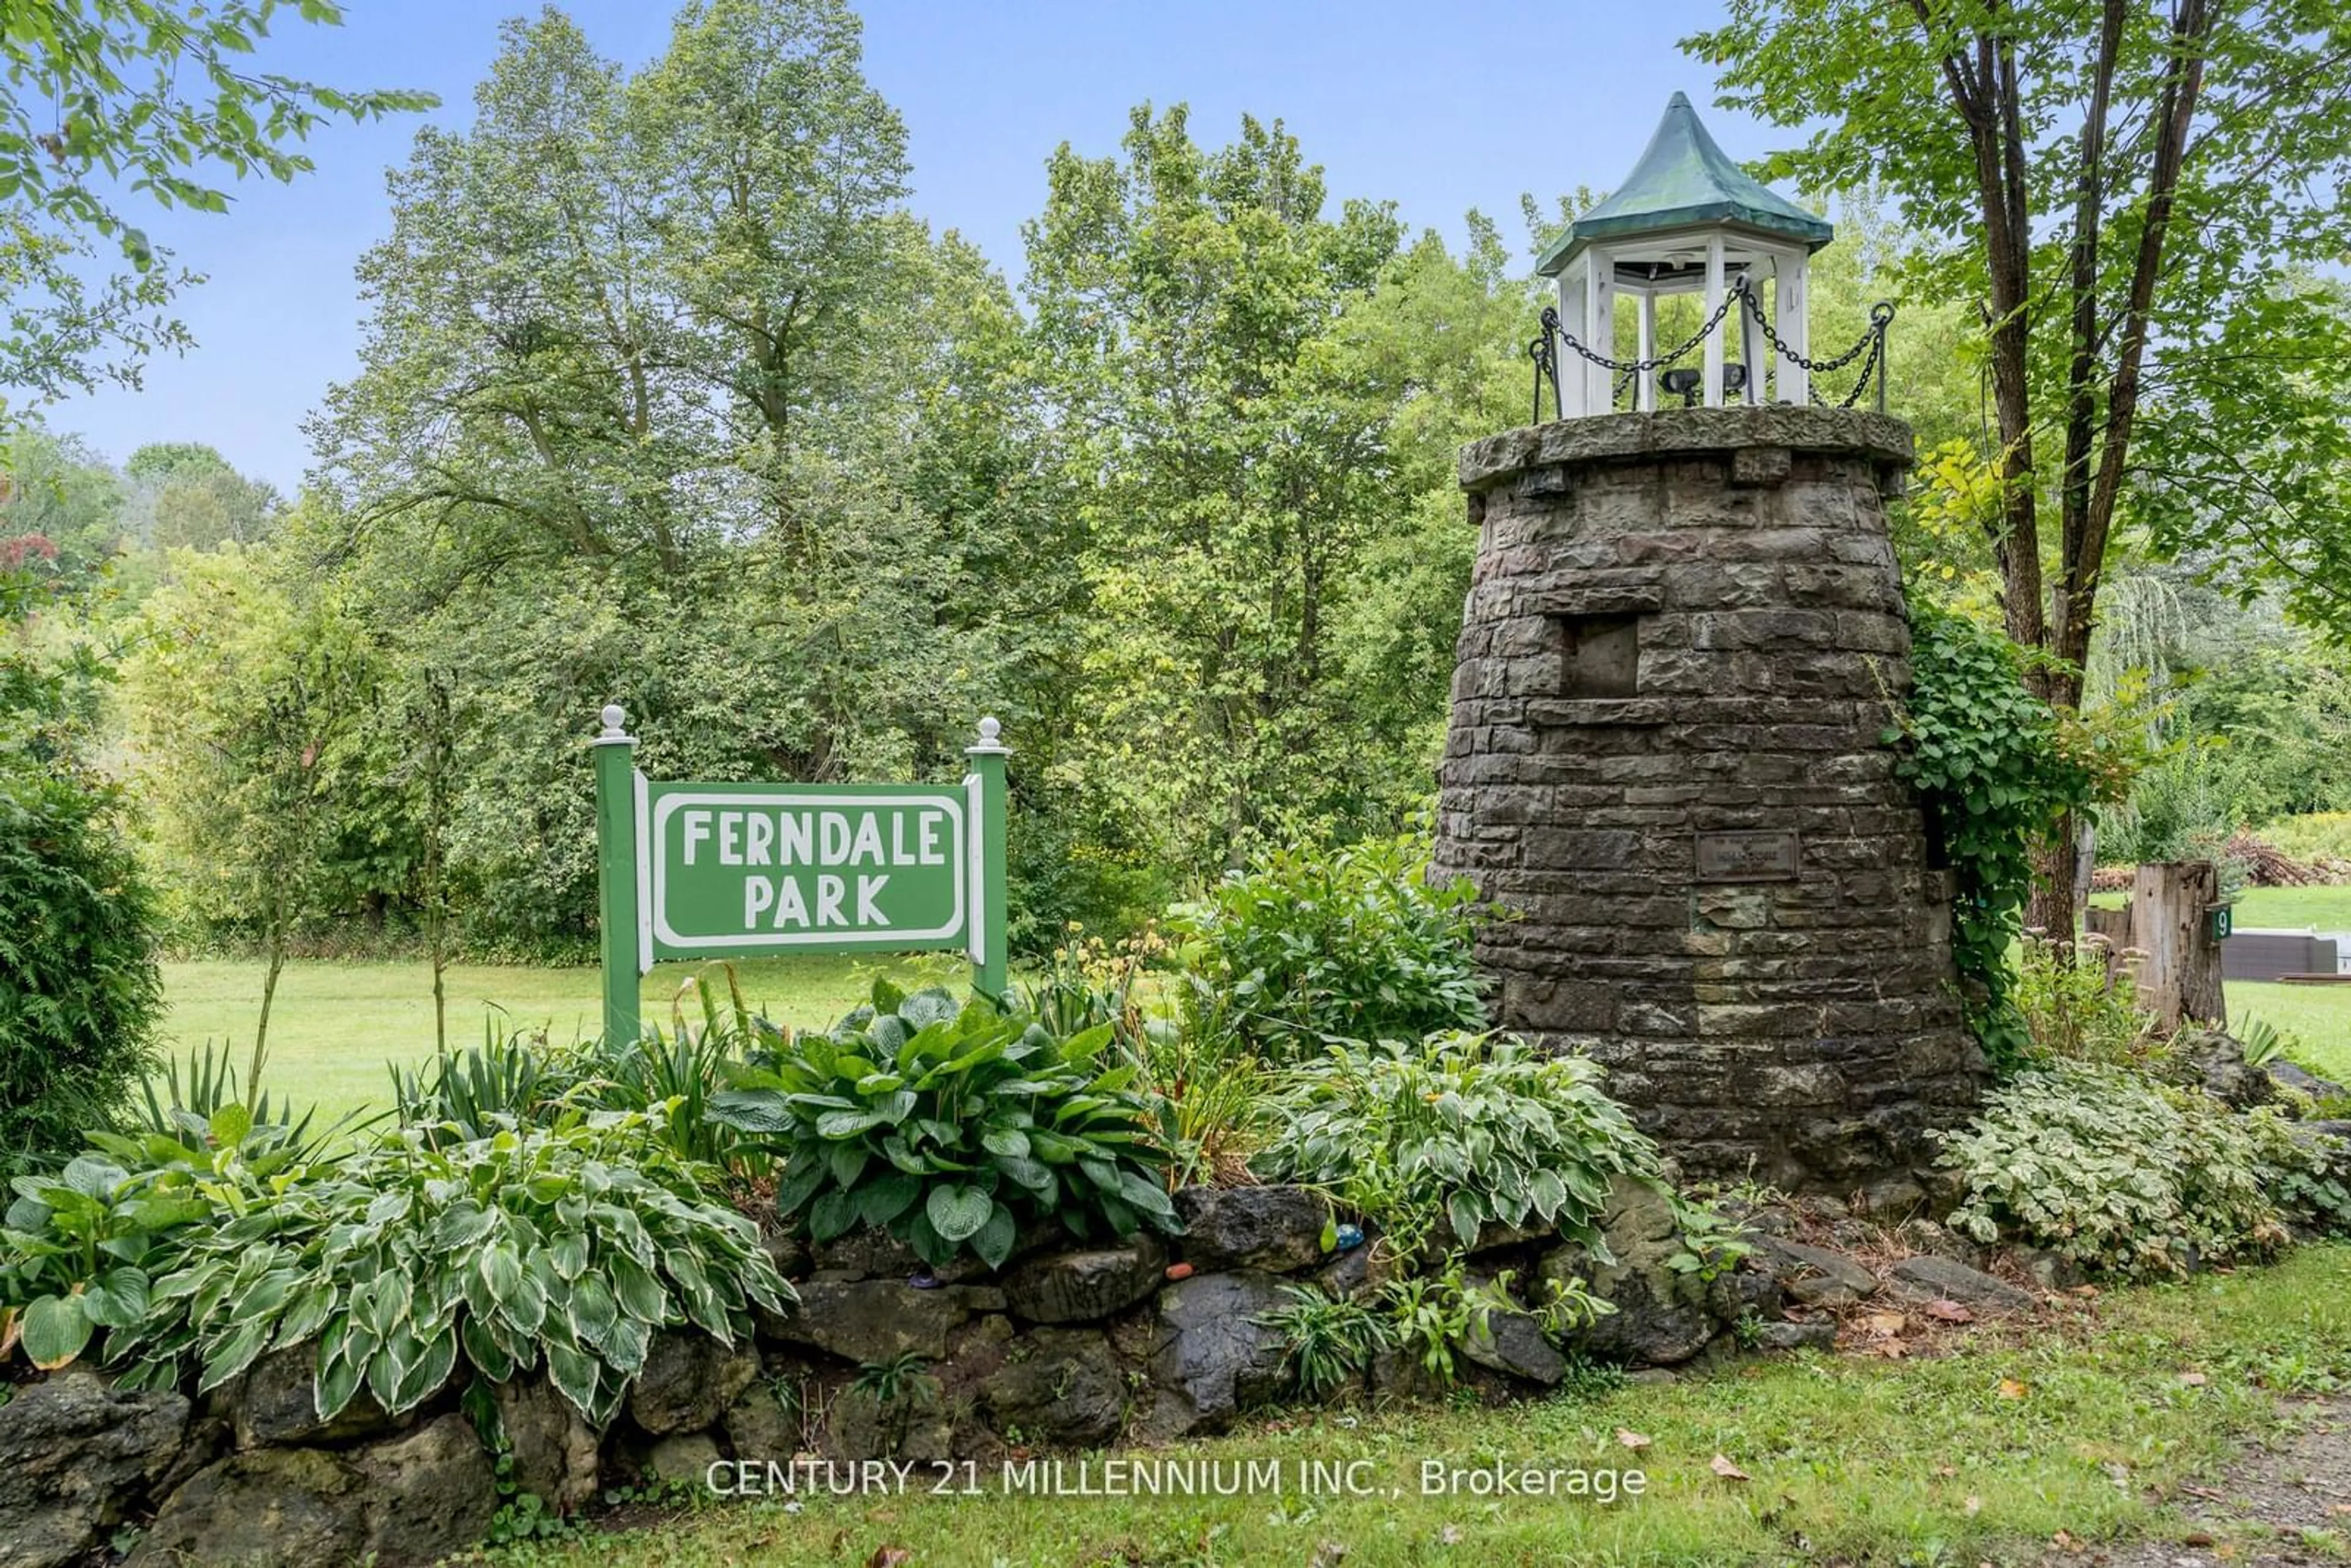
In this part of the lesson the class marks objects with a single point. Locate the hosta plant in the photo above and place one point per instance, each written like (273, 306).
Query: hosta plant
(1471, 1128)
(572, 1244)
(952, 1127)
(79, 1248)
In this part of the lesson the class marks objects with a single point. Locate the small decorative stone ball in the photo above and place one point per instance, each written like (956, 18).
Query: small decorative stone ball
(613, 718)
(988, 730)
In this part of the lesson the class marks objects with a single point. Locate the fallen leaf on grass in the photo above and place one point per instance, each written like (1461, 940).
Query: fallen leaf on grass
(2085, 1292)
(2193, 1379)
(1946, 1469)
(1884, 1324)
(2197, 1537)
(1329, 1554)
(1450, 1535)
(889, 1557)
(1728, 1471)
(2065, 1542)
(2009, 1388)
(1944, 1310)
(1631, 1438)
(1974, 1505)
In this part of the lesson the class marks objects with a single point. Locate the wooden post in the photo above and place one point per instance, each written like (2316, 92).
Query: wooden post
(2171, 920)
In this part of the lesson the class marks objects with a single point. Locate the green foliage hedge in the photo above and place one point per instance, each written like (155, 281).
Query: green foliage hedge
(79, 991)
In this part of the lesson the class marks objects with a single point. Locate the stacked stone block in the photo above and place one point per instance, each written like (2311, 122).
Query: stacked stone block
(1666, 764)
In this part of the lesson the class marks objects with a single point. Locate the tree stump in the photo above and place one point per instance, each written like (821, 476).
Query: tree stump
(2171, 921)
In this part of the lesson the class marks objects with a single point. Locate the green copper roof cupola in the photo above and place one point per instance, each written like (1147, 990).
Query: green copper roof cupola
(1688, 220)
(1684, 180)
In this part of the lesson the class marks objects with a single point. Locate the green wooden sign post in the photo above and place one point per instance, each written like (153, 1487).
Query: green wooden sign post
(704, 871)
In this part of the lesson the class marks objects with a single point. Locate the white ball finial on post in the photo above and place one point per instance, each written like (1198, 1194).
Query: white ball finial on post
(613, 734)
(990, 741)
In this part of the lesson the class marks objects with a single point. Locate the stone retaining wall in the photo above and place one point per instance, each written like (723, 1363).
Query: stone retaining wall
(1065, 1349)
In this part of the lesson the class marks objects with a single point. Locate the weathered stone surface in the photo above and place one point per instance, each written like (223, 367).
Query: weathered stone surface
(759, 1426)
(1214, 1357)
(1057, 1385)
(1273, 1228)
(866, 1253)
(684, 1457)
(1514, 1342)
(1085, 1287)
(408, 1501)
(916, 1427)
(1955, 1281)
(272, 1508)
(873, 1319)
(428, 1494)
(555, 1451)
(1634, 436)
(276, 1404)
(2287, 1075)
(1816, 1276)
(1818, 1334)
(73, 1455)
(688, 1379)
(1663, 1316)
(1721, 889)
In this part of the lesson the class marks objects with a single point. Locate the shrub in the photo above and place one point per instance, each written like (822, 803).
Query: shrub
(1307, 948)
(2129, 1176)
(572, 1244)
(1997, 769)
(79, 991)
(1471, 1128)
(951, 1128)
(2075, 1011)
(2312, 837)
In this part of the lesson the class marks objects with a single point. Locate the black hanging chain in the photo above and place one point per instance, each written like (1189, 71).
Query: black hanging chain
(1872, 343)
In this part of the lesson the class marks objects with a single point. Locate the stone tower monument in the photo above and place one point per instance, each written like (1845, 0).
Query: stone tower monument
(1665, 762)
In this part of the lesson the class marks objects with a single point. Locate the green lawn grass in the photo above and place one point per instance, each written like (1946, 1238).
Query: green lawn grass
(2087, 1428)
(336, 1024)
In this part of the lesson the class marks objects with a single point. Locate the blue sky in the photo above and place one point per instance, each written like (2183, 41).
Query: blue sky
(1440, 107)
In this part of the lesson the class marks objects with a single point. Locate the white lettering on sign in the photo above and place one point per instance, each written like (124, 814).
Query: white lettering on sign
(740, 871)
(749, 838)
(783, 896)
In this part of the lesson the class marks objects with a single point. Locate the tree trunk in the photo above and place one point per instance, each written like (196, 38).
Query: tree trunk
(2052, 908)
(268, 995)
(2172, 922)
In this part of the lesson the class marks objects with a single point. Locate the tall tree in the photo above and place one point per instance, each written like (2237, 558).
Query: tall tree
(1225, 473)
(106, 102)
(2114, 184)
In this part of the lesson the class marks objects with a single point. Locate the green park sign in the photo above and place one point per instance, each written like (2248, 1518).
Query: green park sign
(730, 871)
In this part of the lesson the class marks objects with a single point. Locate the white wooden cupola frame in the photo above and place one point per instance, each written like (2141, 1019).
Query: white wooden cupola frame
(1688, 220)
